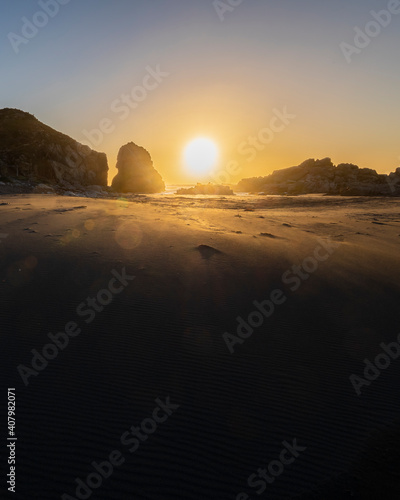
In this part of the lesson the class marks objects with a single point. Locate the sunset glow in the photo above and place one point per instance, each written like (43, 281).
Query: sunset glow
(200, 156)
(215, 69)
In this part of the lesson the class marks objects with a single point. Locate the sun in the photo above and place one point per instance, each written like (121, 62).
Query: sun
(200, 155)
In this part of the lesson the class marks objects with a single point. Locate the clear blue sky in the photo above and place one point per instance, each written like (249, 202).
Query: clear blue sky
(225, 78)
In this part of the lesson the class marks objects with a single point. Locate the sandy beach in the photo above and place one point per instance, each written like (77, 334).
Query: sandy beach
(246, 317)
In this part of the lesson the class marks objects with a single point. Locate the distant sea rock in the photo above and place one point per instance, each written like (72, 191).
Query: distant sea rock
(136, 173)
(207, 189)
(32, 151)
(322, 176)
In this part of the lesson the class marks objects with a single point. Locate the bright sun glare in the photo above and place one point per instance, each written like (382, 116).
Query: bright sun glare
(200, 155)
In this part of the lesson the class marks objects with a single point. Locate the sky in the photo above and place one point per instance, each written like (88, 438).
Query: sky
(271, 83)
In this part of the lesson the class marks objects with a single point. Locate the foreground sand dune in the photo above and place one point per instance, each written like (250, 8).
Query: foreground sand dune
(200, 265)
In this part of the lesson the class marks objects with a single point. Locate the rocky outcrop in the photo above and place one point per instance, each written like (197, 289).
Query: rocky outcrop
(43, 189)
(136, 173)
(209, 189)
(321, 176)
(32, 151)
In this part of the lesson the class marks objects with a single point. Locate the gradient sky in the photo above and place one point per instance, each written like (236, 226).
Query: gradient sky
(225, 79)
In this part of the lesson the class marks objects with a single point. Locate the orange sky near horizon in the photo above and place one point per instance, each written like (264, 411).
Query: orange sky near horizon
(251, 150)
(316, 116)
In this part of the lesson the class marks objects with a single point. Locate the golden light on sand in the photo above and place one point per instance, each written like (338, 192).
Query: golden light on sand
(89, 224)
(200, 156)
(128, 236)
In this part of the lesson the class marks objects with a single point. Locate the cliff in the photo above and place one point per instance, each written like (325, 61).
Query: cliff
(33, 151)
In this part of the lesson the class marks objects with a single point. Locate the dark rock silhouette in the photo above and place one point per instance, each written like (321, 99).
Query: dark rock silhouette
(207, 189)
(136, 173)
(32, 151)
(322, 176)
(207, 252)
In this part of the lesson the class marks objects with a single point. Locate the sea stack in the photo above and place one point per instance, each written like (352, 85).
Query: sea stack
(136, 173)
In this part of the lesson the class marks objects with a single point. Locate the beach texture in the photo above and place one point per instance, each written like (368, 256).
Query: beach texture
(313, 285)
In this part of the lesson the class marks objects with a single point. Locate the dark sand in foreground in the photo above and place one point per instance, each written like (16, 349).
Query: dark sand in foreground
(199, 263)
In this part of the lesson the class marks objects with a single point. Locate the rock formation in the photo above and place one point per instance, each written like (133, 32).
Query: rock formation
(32, 151)
(321, 176)
(136, 173)
(213, 189)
